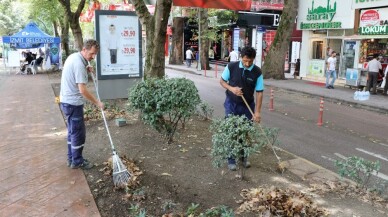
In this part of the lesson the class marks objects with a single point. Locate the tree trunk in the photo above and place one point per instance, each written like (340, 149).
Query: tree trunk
(176, 55)
(64, 27)
(73, 18)
(156, 29)
(274, 62)
(204, 50)
(77, 33)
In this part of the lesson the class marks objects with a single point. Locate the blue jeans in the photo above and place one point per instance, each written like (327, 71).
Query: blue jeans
(333, 74)
(188, 62)
(233, 108)
(76, 132)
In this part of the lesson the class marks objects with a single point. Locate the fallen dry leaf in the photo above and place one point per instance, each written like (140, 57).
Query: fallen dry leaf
(166, 174)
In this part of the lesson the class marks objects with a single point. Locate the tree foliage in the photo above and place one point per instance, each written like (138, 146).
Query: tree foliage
(12, 19)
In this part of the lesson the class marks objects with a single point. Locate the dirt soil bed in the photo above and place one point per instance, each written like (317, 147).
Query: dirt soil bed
(174, 176)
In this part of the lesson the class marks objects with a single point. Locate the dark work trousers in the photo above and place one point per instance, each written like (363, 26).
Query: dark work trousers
(76, 132)
(113, 56)
(372, 81)
(233, 108)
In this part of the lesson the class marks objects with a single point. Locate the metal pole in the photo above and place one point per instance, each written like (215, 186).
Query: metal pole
(199, 39)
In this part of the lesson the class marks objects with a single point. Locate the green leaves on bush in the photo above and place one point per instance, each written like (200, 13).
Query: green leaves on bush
(237, 137)
(205, 110)
(357, 169)
(164, 103)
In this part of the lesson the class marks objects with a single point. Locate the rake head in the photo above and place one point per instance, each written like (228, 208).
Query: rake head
(121, 176)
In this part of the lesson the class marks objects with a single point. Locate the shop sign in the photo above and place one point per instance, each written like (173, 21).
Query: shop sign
(374, 22)
(320, 15)
(356, 4)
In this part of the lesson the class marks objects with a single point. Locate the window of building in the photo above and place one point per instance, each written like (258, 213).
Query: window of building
(318, 51)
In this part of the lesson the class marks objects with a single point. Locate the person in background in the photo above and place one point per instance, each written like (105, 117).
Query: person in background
(373, 68)
(189, 55)
(328, 52)
(243, 78)
(386, 82)
(72, 98)
(233, 56)
(297, 68)
(330, 70)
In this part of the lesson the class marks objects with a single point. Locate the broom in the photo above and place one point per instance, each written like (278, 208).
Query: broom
(261, 128)
(121, 176)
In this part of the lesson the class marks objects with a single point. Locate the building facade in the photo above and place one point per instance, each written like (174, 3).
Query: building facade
(355, 29)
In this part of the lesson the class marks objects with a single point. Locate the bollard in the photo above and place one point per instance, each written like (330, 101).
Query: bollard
(320, 117)
(271, 101)
(216, 68)
(205, 69)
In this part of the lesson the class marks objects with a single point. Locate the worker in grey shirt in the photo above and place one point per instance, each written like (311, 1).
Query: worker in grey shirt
(373, 68)
(72, 97)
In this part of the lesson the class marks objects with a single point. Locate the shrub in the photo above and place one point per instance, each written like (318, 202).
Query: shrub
(357, 169)
(237, 137)
(205, 110)
(163, 103)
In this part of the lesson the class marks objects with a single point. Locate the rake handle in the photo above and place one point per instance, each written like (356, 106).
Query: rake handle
(246, 103)
(103, 116)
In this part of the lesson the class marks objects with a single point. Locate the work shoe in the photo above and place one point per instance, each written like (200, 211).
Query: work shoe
(246, 164)
(68, 163)
(84, 165)
(232, 167)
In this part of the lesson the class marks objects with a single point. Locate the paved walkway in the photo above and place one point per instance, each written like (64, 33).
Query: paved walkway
(313, 86)
(34, 178)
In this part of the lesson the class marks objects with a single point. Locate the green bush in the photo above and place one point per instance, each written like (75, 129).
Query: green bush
(357, 169)
(205, 111)
(234, 134)
(163, 103)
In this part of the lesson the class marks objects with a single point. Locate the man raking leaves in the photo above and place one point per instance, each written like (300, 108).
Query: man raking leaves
(243, 78)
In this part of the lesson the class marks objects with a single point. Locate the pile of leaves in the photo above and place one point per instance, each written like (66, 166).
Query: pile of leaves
(131, 167)
(273, 201)
(345, 189)
(93, 113)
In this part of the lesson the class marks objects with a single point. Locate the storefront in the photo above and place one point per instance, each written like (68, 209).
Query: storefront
(324, 31)
(257, 30)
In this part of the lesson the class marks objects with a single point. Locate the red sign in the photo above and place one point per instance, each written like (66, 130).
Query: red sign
(224, 4)
(370, 18)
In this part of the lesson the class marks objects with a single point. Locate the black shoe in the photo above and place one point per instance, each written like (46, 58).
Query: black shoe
(328, 87)
(84, 165)
(331, 87)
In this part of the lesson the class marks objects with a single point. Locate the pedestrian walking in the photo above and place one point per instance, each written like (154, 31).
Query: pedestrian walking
(373, 68)
(233, 56)
(189, 55)
(330, 70)
(72, 96)
(243, 78)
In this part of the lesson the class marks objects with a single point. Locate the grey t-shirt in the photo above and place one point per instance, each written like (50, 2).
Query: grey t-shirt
(73, 73)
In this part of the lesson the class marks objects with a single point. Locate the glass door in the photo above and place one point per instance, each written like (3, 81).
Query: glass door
(349, 56)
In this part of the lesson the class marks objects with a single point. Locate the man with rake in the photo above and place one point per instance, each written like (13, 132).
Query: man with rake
(243, 81)
(72, 97)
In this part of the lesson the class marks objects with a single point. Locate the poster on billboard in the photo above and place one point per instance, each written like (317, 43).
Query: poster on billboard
(119, 34)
